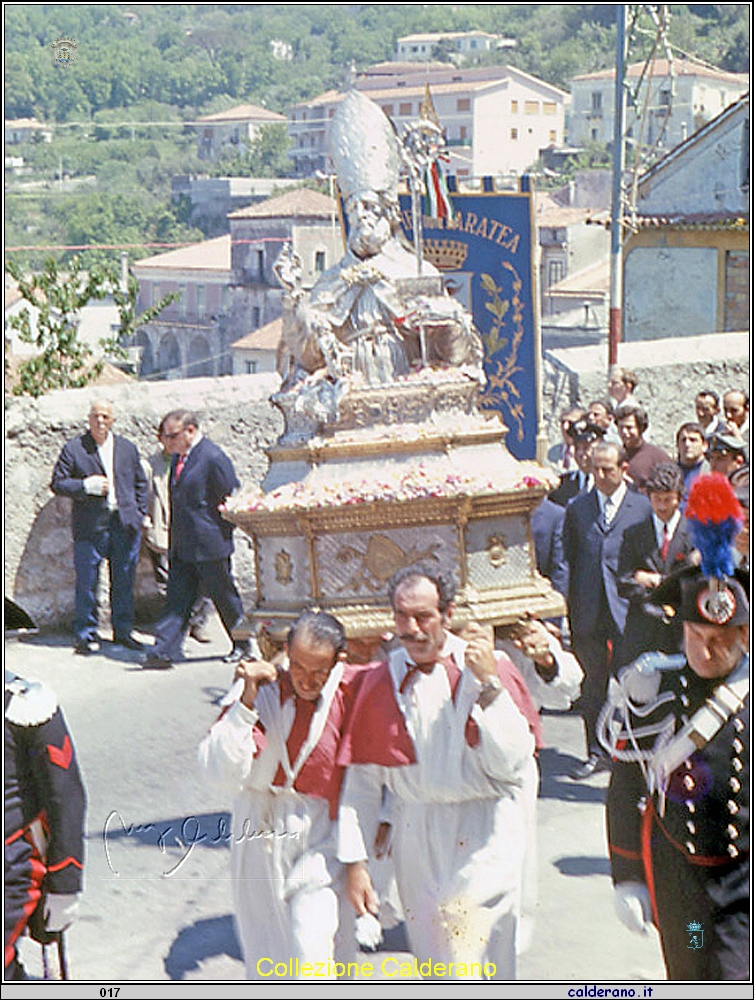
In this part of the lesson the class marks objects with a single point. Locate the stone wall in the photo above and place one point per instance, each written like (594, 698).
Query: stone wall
(671, 372)
(234, 411)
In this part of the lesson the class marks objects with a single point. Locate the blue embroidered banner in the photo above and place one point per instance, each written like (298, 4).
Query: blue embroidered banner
(486, 255)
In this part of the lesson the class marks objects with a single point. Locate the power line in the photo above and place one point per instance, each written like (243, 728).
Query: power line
(99, 246)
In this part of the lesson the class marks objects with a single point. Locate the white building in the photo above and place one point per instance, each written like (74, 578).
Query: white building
(496, 119)
(423, 46)
(573, 270)
(233, 130)
(680, 95)
(20, 130)
(227, 286)
(257, 351)
(686, 265)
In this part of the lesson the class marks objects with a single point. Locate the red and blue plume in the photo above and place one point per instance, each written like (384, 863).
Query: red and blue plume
(715, 517)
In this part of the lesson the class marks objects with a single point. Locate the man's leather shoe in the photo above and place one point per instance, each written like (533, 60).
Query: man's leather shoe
(240, 651)
(200, 632)
(153, 661)
(594, 763)
(129, 642)
(85, 647)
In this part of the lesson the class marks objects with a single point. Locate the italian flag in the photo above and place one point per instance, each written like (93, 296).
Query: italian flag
(437, 201)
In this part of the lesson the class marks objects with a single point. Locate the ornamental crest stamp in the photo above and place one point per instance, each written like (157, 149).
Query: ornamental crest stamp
(64, 51)
(696, 935)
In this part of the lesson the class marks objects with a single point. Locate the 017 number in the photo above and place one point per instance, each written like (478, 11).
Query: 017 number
(109, 991)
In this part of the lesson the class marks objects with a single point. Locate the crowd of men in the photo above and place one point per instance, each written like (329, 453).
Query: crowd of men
(422, 745)
(176, 497)
(623, 529)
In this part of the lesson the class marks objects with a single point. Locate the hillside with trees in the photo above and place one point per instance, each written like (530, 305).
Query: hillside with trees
(141, 72)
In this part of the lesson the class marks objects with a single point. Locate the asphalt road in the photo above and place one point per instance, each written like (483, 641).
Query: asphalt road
(157, 903)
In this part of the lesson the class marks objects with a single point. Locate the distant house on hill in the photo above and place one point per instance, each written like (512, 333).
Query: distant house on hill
(257, 351)
(686, 265)
(20, 130)
(496, 118)
(212, 198)
(678, 97)
(234, 129)
(424, 46)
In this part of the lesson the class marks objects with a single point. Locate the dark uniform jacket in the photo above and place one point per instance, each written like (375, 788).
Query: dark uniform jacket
(44, 805)
(694, 859)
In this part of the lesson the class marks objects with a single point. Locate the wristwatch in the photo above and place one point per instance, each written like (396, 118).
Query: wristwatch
(491, 688)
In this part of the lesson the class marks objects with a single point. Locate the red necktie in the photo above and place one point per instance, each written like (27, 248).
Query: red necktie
(665, 542)
(454, 674)
(412, 670)
(300, 728)
(179, 466)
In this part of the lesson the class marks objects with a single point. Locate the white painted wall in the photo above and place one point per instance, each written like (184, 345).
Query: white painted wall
(670, 292)
(704, 177)
(494, 150)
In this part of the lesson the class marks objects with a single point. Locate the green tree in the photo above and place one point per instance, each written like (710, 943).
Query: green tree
(269, 152)
(444, 51)
(62, 361)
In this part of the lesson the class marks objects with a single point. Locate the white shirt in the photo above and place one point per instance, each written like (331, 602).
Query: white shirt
(197, 438)
(105, 452)
(672, 524)
(616, 499)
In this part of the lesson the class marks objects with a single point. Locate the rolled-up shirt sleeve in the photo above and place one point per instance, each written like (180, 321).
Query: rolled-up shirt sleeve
(227, 752)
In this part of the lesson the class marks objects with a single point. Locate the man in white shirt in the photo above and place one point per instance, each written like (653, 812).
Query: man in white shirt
(102, 474)
(274, 751)
(442, 727)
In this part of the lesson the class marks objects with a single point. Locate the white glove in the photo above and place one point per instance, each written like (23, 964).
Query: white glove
(633, 906)
(96, 486)
(368, 931)
(60, 910)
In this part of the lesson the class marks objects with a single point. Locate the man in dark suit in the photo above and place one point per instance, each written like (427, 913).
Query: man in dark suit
(650, 551)
(585, 435)
(595, 523)
(103, 476)
(547, 532)
(201, 541)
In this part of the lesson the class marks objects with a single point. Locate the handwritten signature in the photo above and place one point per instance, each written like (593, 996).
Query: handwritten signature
(188, 836)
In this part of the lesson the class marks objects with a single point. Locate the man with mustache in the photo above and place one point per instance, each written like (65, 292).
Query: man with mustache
(437, 727)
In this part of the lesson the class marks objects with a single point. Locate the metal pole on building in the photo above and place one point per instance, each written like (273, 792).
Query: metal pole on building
(616, 212)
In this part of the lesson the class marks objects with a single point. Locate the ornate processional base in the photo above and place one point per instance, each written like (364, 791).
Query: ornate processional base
(408, 472)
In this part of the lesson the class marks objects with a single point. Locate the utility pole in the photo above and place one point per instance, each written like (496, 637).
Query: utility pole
(616, 212)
